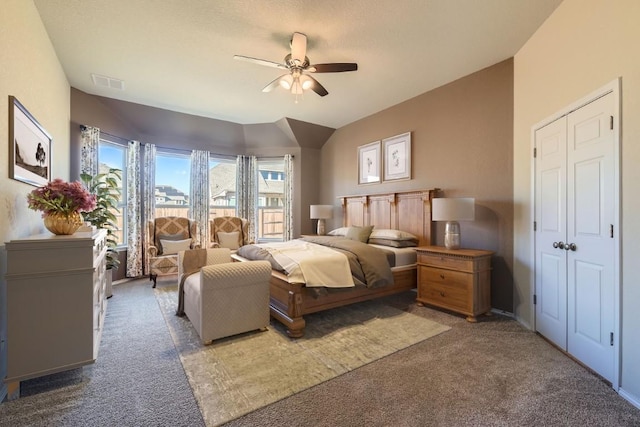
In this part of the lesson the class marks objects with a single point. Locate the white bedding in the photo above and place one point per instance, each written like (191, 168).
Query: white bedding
(404, 256)
(312, 264)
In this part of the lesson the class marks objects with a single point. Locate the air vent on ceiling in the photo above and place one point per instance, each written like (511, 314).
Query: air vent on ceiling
(109, 82)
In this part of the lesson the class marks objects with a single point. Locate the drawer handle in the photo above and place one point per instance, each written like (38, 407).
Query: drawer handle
(441, 294)
(442, 276)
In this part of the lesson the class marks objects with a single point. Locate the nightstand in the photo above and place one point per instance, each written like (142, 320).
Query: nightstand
(457, 280)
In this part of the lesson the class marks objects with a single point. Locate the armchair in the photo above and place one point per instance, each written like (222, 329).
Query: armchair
(229, 232)
(227, 298)
(168, 236)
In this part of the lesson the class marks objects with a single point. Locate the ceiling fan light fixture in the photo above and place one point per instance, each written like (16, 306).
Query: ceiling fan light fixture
(286, 81)
(298, 64)
(306, 82)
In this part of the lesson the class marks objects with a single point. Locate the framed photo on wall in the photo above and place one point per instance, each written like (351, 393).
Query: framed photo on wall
(397, 157)
(369, 163)
(29, 147)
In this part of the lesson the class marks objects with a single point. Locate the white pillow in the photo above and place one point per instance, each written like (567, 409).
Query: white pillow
(229, 240)
(170, 247)
(342, 231)
(382, 233)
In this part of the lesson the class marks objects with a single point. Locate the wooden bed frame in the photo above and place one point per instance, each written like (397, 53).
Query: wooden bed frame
(407, 211)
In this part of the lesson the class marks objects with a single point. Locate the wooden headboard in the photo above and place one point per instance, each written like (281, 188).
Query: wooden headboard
(408, 211)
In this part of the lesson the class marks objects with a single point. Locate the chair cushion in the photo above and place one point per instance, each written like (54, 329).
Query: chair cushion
(166, 237)
(229, 240)
(166, 264)
(170, 247)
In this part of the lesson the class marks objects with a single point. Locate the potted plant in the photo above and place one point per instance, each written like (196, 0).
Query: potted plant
(61, 204)
(106, 188)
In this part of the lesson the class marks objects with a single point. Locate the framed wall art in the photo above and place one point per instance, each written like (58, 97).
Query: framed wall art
(29, 147)
(397, 157)
(369, 163)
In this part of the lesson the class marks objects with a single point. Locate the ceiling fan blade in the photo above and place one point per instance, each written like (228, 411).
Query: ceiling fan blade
(317, 87)
(336, 67)
(298, 47)
(274, 84)
(260, 61)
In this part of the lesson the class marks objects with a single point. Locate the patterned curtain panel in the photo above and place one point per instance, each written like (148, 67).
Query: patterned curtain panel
(199, 196)
(89, 137)
(149, 194)
(134, 226)
(247, 191)
(288, 197)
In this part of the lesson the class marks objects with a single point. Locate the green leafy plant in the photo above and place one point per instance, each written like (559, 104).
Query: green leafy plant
(106, 188)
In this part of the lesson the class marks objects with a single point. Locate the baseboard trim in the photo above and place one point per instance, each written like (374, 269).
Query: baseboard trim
(634, 400)
(503, 313)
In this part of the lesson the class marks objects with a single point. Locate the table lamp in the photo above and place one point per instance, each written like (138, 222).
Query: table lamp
(321, 212)
(452, 210)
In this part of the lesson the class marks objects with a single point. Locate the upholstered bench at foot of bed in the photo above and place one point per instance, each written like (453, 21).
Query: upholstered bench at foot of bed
(228, 299)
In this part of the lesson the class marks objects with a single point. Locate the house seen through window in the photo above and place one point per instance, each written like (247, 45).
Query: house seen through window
(270, 223)
(222, 187)
(173, 184)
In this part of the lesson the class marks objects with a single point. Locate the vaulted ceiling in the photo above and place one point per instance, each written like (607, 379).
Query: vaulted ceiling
(178, 54)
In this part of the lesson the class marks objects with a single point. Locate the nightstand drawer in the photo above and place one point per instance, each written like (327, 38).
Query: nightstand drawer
(446, 277)
(450, 262)
(455, 297)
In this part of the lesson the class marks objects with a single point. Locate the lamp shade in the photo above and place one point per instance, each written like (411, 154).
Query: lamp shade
(321, 211)
(453, 209)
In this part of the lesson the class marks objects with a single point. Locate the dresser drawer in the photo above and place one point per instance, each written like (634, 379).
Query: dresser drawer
(446, 277)
(438, 260)
(445, 288)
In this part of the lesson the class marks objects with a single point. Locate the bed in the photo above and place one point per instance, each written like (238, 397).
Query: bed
(408, 211)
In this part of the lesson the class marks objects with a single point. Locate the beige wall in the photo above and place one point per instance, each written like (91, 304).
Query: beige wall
(30, 71)
(462, 143)
(584, 45)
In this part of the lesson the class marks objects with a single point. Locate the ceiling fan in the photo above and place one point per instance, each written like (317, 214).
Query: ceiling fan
(297, 79)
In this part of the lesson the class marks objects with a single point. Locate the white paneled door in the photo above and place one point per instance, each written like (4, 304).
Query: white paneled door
(551, 212)
(575, 234)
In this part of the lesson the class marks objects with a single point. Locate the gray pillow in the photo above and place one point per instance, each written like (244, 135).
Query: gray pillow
(359, 233)
(161, 237)
(394, 243)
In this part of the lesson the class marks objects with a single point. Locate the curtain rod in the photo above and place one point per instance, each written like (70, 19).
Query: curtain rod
(127, 140)
(231, 156)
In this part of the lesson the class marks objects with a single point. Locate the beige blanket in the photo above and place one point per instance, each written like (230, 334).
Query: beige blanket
(312, 264)
(192, 261)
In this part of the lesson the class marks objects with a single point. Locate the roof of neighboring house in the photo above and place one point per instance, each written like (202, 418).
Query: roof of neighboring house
(222, 180)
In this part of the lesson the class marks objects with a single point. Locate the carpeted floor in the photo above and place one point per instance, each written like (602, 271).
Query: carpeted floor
(138, 379)
(240, 374)
(493, 373)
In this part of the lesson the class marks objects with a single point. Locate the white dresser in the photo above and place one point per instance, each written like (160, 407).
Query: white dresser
(55, 302)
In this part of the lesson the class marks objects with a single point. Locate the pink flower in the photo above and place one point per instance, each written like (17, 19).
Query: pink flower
(61, 196)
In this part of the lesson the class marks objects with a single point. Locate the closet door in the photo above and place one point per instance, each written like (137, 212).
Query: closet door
(574, 239)
(590, 214)
(551, 231)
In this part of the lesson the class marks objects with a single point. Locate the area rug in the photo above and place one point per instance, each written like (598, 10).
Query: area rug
(237, 375)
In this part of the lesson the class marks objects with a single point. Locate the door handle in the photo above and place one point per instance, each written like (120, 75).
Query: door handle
(570, 247)
(559, 245)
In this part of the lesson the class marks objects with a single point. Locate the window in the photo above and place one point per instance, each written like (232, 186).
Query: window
(222, 187)
(114, 156)
(270, 213)
(173, 183)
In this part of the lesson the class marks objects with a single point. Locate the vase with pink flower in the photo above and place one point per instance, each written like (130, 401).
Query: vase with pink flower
(61, 203)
